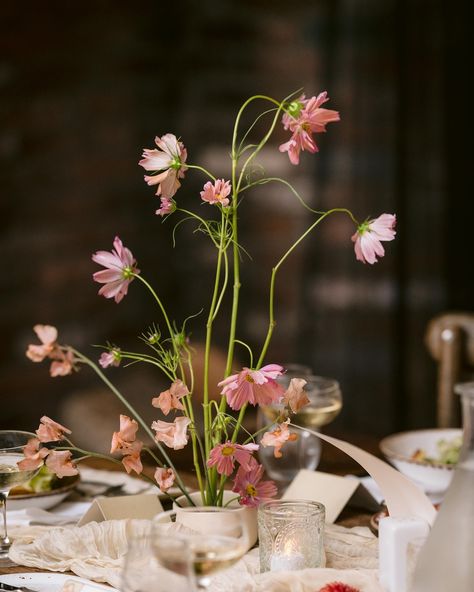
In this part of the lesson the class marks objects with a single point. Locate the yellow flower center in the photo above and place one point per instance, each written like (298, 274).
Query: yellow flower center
(250, 489)
(228, 450)
(248, 378)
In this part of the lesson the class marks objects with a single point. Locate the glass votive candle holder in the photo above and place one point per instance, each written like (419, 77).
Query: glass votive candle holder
(291, 534)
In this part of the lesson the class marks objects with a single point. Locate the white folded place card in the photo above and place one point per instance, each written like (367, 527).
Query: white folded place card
(331, 490)
(142, 506)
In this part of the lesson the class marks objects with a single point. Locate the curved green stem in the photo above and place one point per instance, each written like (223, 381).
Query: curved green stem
(202, 169)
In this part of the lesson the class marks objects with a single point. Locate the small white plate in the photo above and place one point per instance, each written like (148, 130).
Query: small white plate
(48, 582)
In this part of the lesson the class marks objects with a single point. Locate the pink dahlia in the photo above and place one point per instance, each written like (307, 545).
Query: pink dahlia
(369, 236)
(223, 456)
(250, 487)
(253, 386)
(169, 159)
(217, 192)
(120, 269)
(305, 117)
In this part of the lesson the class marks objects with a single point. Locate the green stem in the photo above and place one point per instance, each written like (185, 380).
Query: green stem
(202, 169)
(272, 323)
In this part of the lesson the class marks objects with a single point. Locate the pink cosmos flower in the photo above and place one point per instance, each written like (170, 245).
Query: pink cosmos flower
(110, 358)
(253, 386)
(249, 485)
(167, 206)
(60, 463)
(278, 437)
(48, 336)
(50, 431)
(120, 267)
(34, 455)
(305, 118)
(63, 364)
(169, 159)
(367, 239)
(165, 478)
(223, 456)
(217, 192)
(338, 587)
(295, 396)
(174, 435)
(170, 399)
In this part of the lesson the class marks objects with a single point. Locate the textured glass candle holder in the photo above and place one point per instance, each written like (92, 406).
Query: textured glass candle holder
(291, 534)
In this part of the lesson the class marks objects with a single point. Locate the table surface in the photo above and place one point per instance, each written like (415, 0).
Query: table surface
(332, 461)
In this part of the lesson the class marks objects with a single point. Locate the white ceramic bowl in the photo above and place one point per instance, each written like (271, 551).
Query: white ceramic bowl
(44, 500)
(433, 477)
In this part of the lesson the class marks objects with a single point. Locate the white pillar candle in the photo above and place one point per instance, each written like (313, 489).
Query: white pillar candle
(287, 562)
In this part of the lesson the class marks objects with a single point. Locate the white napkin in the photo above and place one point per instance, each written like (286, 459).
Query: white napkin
(65, 513)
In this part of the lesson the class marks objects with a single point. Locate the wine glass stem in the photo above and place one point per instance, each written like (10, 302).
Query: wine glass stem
(4, 540)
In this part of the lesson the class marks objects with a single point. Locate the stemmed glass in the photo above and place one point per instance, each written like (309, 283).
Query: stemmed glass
(325, 403)
(217, 537)
(157, 566)
(12, 443)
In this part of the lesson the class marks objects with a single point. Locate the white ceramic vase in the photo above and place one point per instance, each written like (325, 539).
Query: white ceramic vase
(198, 521)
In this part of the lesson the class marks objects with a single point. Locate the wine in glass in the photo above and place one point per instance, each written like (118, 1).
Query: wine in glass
(216, 537)
(12, 443)
(325, 403)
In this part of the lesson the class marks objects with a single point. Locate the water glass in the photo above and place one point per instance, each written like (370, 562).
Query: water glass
(291, 535)
(157, 566)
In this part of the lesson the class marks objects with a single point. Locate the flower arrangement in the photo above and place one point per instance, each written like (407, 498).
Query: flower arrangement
(217, 454)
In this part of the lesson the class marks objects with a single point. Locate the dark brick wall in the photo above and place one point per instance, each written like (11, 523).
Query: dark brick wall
(84, 89)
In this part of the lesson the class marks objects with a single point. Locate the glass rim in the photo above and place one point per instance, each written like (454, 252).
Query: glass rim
(324, 384)
(464, 388)
(300, 508)
(16, 446)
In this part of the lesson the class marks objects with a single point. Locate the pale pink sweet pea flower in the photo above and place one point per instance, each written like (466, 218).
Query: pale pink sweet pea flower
(50, 431)
(253, 386)
(223, 456)
(167, 206)
(278, 437)
(369, 236)
(63, 364)
(165, 478)
(250, 487)
(170, 399)
(48, 335)
(34, 455)
(110, 358)
(217, 192)
(174, 435)
(295, 396)
(132, 457)
(305, 117)
(120, 267)
(169, 159)
(125, 436)
(60, 463)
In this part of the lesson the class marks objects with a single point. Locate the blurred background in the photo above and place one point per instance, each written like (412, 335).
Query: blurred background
(85, 87)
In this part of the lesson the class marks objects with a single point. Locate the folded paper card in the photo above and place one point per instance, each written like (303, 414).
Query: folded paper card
(144, 506)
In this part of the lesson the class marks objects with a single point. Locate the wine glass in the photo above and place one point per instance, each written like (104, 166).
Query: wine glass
(217, 537)
(325, 403)
(12, 443)
(157, 566)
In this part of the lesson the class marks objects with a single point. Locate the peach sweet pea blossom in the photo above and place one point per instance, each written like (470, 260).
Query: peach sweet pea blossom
(250, 487)
(48, 336)
(295, 396)
(170, 399)
(217, 192)
(278, 437)
(63, 364)
(367, 239)
(124, 441)
(223, 456)
(253, 386)
(174, 435)
(165, 478)
(120, 267)
(34, 455)
(170, 159)
(60, 463)
(132, 457)
(305, 118)
(50, 431)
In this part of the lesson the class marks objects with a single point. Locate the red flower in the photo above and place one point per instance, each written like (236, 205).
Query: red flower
(338, 587)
